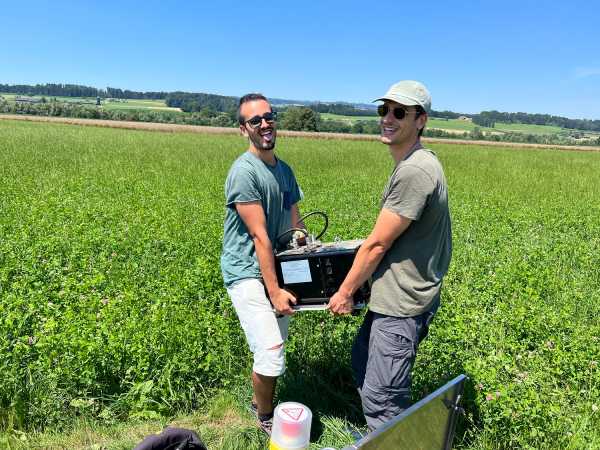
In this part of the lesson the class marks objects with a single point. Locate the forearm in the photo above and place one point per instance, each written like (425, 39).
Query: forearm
(367, 259)
(266, 262)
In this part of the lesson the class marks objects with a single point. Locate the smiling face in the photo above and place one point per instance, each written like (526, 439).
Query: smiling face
(400, 132)
(262, 138)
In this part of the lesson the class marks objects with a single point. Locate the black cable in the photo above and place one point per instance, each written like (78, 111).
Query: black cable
(320, 213)
(323, 215)
(290, 231)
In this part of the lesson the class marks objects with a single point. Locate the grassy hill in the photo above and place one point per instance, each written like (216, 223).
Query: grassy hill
(110, 104)
(454, 125)
(515, 132)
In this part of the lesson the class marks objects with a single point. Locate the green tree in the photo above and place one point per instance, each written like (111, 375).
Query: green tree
(300, 119)
(358, 128)
(476, 133)
(221, 120)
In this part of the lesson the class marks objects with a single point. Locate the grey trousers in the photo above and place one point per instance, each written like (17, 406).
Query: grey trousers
(383, 355)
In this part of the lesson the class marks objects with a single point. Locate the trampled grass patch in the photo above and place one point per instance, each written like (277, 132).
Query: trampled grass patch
(112, 306)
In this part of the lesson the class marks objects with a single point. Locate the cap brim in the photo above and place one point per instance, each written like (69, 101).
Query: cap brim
(398, 99)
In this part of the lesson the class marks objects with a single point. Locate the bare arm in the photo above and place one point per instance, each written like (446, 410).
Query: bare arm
(253, 216)
(388, 228)
(296, 223)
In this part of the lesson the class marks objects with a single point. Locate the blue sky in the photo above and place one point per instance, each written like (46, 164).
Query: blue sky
(537, 57)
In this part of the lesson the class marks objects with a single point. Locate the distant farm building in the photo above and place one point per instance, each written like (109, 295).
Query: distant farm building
(465, 118)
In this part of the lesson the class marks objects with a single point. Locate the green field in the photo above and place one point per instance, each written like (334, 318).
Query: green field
(462, 125)
(138, 104)
(528, 128)
(348, 119)
(113, 313)
(451, 124)
(117, 104)
(454, 124)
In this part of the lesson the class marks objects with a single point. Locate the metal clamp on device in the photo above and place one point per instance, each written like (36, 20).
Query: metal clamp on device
(313, 271)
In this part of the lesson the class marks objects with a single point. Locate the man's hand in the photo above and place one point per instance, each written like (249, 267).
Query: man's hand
(340, 304)
(281, 302)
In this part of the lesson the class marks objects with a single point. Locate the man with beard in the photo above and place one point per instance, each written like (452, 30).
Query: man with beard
(261, 203)
(407, 252)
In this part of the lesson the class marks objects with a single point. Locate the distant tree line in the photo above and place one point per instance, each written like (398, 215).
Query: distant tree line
(305, 118)
(196, 102)
(489, 119)
(189, 102)
(290, 118)
(345, 109)
(127, 94)
(515, 137)
(218, 110)
(342, 109)
(447, 114)
(75, 90)
(51, 89)
(82, 111)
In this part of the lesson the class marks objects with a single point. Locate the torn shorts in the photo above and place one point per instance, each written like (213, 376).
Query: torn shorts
(263, 330)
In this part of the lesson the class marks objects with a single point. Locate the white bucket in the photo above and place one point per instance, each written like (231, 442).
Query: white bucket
(291, 427)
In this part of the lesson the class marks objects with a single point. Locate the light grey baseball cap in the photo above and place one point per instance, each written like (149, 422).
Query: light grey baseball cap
(409, 93)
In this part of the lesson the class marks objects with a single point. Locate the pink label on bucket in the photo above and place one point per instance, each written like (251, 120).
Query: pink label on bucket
(293, 413)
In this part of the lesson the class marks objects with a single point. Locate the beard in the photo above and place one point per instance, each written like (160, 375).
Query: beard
(260, 142)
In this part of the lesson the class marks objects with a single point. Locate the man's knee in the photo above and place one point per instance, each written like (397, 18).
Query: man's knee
(382, 404)
(270, 361)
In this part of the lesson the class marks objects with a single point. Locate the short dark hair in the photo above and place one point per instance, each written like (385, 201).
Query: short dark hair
(248, 98)
(420, 112)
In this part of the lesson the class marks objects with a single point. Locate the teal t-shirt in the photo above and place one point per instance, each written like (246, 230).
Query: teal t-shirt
(249, 180)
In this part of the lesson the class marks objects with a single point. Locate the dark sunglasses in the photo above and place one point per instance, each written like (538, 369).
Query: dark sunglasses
(255, 121)
(399, 113)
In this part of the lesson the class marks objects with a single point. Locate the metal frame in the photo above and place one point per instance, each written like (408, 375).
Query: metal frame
(451, 403)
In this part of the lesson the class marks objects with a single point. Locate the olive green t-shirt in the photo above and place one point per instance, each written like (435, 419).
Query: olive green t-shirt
(409, 277)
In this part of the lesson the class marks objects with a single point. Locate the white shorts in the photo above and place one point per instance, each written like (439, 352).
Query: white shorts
(264, 331)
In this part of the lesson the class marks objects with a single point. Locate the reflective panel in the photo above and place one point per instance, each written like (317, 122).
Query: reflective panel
(428, 424)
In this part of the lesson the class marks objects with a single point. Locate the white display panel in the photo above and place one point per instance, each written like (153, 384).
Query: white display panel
(297, 271)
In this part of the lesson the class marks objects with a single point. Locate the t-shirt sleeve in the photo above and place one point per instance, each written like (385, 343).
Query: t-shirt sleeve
(295, 192)
(241, 187)
(409, 192)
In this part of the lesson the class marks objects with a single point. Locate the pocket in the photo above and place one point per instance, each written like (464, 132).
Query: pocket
(394, 345)
(391, 358)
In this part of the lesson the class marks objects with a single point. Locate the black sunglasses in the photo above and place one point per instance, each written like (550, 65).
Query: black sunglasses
(399, 113)
(255, 121)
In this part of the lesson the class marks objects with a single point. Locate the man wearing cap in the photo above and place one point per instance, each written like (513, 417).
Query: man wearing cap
(407, 254)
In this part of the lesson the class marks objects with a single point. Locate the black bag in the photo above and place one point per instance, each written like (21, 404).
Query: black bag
(172, 439)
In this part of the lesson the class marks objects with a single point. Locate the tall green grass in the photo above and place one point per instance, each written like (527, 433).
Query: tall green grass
(112, 305)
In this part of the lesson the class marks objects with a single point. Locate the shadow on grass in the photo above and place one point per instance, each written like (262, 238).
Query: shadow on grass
(328, 390)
